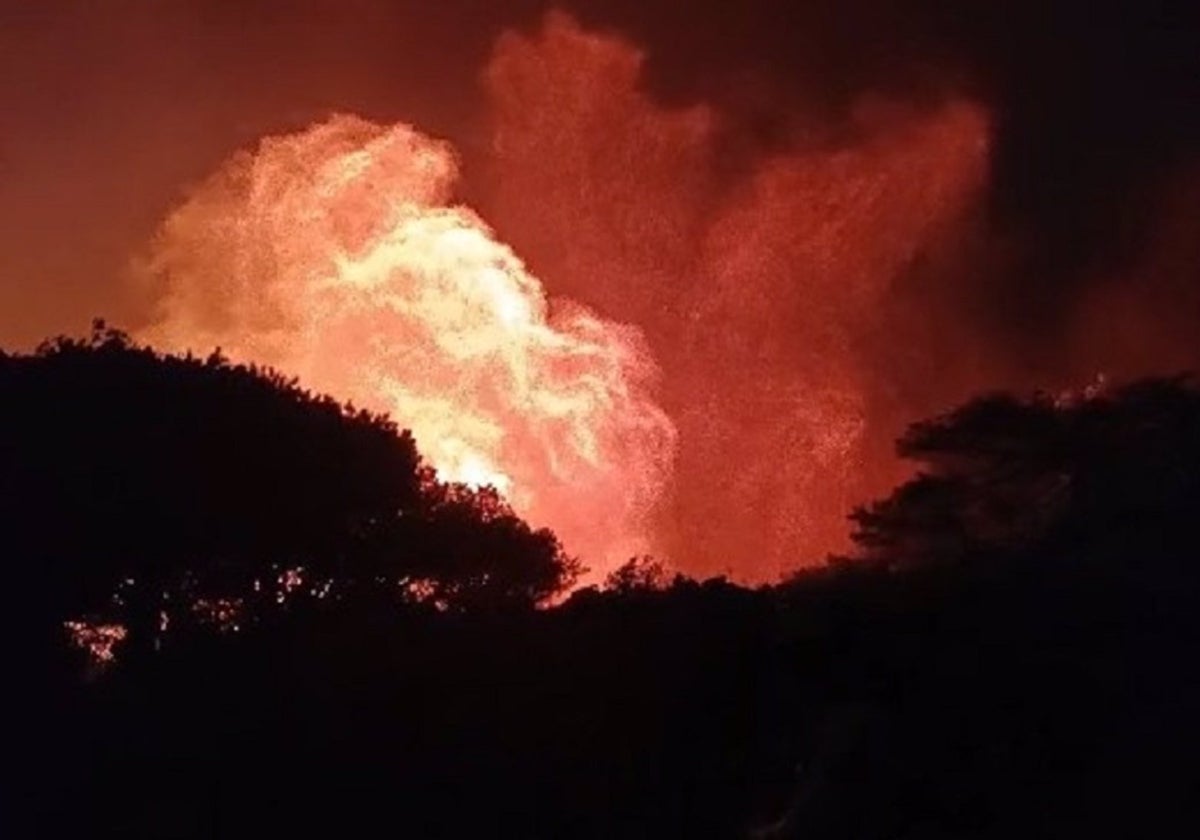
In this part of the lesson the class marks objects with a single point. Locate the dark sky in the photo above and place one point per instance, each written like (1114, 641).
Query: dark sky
(109, 108)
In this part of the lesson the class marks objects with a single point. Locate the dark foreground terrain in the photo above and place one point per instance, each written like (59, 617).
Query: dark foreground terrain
(321, 640)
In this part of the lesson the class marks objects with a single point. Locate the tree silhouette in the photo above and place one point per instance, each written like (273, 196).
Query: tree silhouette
(153, 488)
(638, 574)
(471, 550)
(1002, 474)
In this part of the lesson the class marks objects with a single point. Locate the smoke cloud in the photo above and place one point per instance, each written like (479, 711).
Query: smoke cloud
(764, 290)
(827, 218)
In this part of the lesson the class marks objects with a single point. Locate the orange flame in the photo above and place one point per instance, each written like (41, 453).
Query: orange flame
(336, 254)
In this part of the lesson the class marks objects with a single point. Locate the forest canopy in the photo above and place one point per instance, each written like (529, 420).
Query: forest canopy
(145, 488)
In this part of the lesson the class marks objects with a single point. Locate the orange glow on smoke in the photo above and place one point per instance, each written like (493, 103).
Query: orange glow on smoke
(336, 254)
(785, 289)
(803, 299)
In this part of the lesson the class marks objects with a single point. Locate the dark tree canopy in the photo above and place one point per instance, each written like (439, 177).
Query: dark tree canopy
(1001, 474)
(154, 477)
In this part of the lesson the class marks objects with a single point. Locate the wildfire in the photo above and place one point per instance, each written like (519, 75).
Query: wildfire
(336, 254)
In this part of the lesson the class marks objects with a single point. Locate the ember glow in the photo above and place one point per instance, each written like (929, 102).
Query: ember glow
(337, 255)
(99, 641)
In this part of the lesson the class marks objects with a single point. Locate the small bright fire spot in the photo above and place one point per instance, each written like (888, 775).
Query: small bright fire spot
(100, 641)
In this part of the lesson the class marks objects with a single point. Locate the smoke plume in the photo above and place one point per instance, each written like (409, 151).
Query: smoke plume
(824, 219)
(763, 289)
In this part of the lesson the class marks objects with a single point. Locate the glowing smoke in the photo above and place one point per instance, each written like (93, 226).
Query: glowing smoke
(336, 255)
(772, 285)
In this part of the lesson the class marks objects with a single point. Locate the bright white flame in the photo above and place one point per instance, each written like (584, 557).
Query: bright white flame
(336, 254)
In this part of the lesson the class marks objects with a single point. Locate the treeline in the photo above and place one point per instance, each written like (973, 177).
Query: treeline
(1007, 653)
(153, 491)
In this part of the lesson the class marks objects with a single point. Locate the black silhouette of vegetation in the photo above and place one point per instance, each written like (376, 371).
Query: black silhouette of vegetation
(1002, 475)
(1007, 653)
(140, 488)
